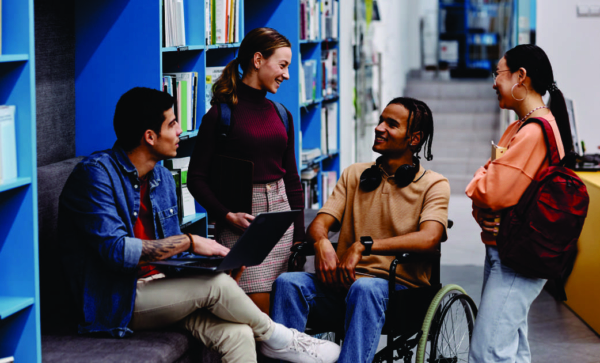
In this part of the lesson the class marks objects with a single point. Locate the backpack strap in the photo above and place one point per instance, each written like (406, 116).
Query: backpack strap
(225, 118)
(552, 153)
(283, 115)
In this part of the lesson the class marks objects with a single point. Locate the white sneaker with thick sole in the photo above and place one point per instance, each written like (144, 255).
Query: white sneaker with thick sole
(304, 349)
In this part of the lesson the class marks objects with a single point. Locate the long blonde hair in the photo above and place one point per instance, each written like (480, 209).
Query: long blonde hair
(262, 40)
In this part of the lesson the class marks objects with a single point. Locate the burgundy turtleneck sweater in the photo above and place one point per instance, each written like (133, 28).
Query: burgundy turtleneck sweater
(256, 134)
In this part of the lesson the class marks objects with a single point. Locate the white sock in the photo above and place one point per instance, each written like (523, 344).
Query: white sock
(280, 338)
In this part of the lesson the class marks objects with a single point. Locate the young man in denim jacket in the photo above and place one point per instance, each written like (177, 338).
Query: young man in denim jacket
(118, 212)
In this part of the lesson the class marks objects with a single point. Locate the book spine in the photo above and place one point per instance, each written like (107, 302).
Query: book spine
(8, 146)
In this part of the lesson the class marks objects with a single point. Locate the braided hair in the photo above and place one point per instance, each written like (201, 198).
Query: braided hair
(420, 119)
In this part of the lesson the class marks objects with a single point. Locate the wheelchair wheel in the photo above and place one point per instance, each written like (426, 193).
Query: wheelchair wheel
(448, 327)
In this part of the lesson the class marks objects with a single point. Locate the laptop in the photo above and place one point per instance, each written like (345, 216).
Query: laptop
(251, 248)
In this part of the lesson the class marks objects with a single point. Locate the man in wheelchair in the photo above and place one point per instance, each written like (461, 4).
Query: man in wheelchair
(382, 209)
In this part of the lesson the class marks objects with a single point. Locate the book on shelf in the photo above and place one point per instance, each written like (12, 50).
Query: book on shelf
(222, 21)
(310, 186)
(328, 182)
(324, 131)
(329, 19)
(174, 23)
(185, 201)
(329, 66)
(308, 81)
(212, 74)
(331, 117)
(309, 19)
(185, 92)
(309, 155)
(8, 144)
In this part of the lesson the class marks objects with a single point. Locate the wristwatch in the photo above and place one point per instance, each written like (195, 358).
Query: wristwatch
(368, 243)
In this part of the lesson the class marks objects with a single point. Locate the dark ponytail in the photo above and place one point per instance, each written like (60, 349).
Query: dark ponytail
(536, 63)
(259, 40)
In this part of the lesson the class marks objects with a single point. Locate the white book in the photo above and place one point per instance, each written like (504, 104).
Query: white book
(212, 75)
(302, 84)
(324, 130)
(237, 21)
(7, 360)
(335, 17)
(207, 26)
(8, 144)
(180, 24)
(188, 202)
(332, 127)
(177, 163)
(220, 21)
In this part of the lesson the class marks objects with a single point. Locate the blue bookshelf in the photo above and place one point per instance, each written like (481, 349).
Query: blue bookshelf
(119, 45)
(307, 115)
(469, 22)
(19, 271)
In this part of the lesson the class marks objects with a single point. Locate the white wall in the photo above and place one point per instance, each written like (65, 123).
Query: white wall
(572, 45)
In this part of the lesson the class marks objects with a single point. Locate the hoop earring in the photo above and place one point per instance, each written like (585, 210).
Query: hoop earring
(513, 95)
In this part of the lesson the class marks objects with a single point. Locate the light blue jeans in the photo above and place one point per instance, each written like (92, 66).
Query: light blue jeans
(361, 310)
(500, 333)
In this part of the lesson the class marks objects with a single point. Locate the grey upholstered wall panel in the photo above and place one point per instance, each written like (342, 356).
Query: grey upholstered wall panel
(55, 79)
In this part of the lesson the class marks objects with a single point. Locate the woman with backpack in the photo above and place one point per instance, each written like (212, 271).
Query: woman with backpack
(259, 133)
(522, 77)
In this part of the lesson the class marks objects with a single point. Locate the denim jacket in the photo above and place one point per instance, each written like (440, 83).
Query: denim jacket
(98, 208)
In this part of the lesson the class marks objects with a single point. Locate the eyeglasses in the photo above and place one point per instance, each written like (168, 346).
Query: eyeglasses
(495, 74)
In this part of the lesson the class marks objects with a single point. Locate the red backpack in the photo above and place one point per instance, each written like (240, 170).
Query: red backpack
(538, 236)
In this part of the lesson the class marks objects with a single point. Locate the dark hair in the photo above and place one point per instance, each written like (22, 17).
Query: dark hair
(138, 110)
(262, 40)
(536, 63)
(420, 119)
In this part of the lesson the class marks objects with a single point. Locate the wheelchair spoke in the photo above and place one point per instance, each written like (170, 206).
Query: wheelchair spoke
(454, 329)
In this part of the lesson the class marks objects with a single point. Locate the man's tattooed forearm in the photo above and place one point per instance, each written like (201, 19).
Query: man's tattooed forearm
(156, 250)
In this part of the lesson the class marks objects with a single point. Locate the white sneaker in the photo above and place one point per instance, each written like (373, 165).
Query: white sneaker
(304, 349)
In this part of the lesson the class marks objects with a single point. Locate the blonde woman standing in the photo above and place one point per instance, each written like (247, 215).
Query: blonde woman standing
(256, 134)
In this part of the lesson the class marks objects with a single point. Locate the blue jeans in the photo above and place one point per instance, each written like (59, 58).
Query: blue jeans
(500, 333)
(362, 310)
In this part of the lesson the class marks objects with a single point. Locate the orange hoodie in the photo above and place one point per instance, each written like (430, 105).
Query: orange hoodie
(501, 183)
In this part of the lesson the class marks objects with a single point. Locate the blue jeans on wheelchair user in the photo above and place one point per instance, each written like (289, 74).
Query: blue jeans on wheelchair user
(500, 333)
(361, 309)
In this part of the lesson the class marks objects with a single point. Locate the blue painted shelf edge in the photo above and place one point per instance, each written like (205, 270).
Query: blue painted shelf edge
(182, 48)
(10, 305)
(5, 58)
(319, 159)
(14, 183)
(225, 45)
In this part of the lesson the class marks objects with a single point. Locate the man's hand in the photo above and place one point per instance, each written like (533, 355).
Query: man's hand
(239, 221)
(489, 221)
(351, 258)
(326, 262)
(208, 247)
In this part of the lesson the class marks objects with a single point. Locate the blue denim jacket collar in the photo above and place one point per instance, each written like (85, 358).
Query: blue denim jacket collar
(129, 168)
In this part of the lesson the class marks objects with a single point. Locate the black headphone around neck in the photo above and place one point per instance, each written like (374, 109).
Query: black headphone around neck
(405, 174)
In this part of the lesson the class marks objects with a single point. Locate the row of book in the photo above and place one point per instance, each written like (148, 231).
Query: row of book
(183, 86)
(315, 14)
(329, 76)
(173, 23)
(186, 205)
(222, 21)
(310, 186)
(8, 145)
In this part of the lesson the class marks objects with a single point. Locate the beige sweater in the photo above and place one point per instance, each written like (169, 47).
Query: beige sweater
(386, 212)
(501, 183)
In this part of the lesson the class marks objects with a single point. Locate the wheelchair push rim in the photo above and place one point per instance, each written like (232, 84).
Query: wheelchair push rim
(448, 327)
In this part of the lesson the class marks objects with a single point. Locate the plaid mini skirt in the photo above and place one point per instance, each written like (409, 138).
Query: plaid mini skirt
(270, 197)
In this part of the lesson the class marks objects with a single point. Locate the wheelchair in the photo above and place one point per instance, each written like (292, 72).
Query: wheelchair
(436, 320)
